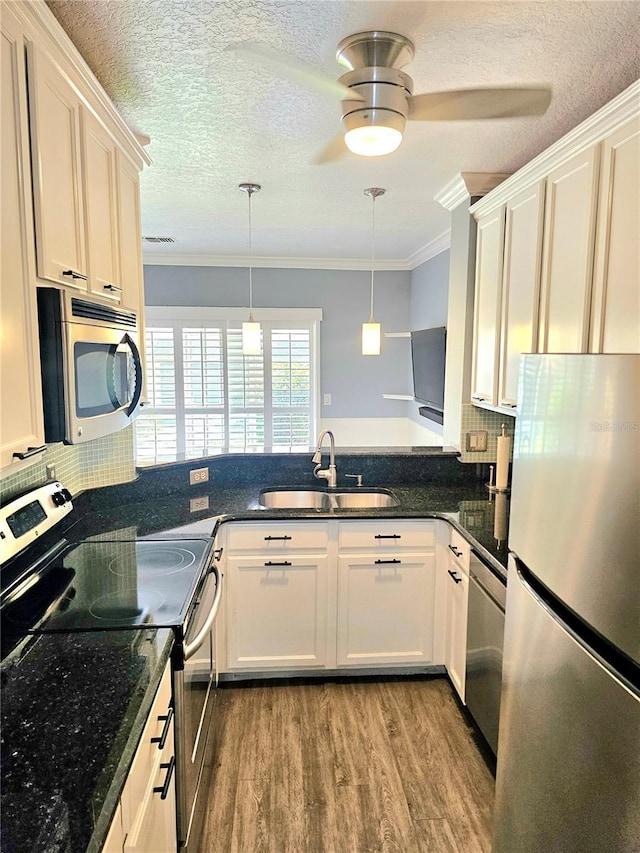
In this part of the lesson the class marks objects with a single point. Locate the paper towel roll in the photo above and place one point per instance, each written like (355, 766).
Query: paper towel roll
(500, 518)
(502, 461)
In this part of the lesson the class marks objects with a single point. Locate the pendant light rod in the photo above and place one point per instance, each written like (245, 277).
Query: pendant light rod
(373, 193)
(250, 189)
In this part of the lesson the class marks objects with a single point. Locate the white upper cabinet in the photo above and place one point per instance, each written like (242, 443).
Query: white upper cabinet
(130, 236)
(489, 259)
(21, 424)
(615, 325)
(520, 287)
(569, 232)
(54, 112)
(99, 175)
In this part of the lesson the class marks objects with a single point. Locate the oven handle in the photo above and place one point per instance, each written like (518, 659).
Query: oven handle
(191, 648)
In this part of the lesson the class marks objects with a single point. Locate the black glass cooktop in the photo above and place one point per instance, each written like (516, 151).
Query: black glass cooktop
(104, 585)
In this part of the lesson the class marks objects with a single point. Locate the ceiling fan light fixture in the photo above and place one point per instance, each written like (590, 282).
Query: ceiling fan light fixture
(373, 133)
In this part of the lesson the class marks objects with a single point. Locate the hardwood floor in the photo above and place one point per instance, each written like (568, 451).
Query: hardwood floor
(346, 767)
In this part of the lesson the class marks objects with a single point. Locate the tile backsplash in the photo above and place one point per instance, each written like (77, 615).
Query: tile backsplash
(473, 417)
(103, 462)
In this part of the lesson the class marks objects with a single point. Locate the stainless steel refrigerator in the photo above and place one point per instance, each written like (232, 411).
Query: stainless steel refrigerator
(568, 775)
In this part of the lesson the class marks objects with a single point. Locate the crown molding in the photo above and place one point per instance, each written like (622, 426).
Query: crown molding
(439, 244)
(43, 26)
(589, 132)
(467, 184)
(187, 260)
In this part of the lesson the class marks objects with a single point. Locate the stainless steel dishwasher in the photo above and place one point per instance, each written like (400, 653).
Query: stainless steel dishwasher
(485, 635)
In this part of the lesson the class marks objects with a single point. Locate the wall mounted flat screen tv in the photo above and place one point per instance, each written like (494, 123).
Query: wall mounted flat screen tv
(428, 347)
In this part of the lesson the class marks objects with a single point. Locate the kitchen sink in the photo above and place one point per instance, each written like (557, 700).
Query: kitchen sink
(326, 500)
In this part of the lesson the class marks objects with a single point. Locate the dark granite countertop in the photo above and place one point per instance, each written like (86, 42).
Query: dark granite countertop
(156, 508)
(73, 710)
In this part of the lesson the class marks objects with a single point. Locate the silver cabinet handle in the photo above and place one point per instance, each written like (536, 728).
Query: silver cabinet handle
(478, 398)
(508, 405)
(191, 648)
(114, 288)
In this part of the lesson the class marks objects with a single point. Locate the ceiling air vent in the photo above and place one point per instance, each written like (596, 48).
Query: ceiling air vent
(158, 240)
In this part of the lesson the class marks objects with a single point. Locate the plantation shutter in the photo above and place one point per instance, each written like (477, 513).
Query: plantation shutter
(206, 397)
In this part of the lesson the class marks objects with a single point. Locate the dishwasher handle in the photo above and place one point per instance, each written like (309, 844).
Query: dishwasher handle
(191, 648)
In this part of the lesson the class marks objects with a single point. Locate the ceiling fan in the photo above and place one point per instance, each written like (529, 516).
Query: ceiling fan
(377, 97)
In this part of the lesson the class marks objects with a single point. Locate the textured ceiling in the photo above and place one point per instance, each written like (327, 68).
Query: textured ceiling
(215, 121)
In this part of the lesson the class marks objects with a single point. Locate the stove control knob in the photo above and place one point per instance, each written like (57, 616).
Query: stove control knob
(58, 498)
(66, 494)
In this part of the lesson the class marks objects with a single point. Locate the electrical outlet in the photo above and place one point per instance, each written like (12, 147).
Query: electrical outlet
(477, 441)
(198, 504)
(198, 475)
(51, 471)
(327, 399)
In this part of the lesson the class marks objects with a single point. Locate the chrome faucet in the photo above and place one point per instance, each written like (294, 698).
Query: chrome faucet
(329, 474)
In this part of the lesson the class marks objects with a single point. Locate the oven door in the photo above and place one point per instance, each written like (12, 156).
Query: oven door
(103, 380)
(194, 691)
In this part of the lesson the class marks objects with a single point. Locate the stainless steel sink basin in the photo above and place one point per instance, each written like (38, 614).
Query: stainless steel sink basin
(326, 500)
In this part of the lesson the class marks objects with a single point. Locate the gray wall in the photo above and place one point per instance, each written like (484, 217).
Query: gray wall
(356, 382)
(428, 308)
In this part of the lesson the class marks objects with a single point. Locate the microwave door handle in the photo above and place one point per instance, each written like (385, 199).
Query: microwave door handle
(138, 366)
(191, 648)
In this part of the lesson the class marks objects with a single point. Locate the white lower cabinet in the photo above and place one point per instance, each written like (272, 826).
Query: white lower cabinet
(145, 820)
(456, 605)
(277, 611)
(385, 609)
(303, 595)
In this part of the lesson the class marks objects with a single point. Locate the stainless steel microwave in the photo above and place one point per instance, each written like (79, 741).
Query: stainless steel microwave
(91, 366)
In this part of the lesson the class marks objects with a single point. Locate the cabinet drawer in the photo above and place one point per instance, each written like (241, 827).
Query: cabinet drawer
(386, 536)
(277, 538)
(148, 755)
(459, 551)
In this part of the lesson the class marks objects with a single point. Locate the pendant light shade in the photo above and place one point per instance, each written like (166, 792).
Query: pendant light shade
(371, 333)
(251, 338)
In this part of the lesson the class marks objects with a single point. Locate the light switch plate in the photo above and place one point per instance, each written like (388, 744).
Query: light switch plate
(326, 399)
(476, 441)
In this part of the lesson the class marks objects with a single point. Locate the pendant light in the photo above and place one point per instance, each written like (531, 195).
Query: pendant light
(371, 329)
(250, 329)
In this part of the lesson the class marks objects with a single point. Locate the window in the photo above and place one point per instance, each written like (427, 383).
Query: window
(206, 397)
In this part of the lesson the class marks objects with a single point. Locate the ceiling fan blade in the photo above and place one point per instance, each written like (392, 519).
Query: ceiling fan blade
(332, 151)
(466, 104)
(290, 69)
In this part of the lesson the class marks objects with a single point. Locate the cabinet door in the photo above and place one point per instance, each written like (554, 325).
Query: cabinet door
(521, 286)
(54, 110)
(99, 158)
(456, 645)
(488, 296)
(148, 820)
(130, 236)
(616, 294)
(385, 609)
(277, 612)
(20, 395)
(567, 267)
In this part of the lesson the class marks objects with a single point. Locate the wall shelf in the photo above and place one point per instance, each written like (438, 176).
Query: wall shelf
(409, 397)
(397, 334)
